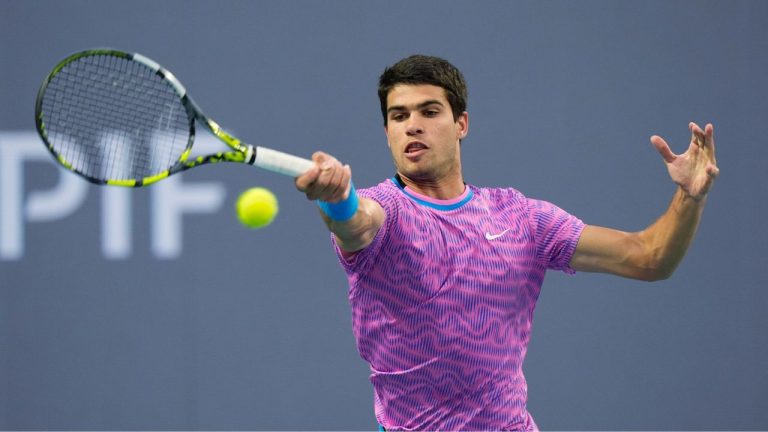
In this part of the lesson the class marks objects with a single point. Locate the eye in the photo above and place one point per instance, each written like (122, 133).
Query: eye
(431, 113)
(398, 116)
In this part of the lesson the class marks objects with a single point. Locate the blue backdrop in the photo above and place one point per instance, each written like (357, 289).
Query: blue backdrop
(155, 309)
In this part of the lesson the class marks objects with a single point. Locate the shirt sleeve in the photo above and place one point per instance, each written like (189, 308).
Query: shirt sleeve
(556, 232)
(357, 264)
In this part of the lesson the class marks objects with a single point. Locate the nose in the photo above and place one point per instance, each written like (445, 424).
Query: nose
(414, 127)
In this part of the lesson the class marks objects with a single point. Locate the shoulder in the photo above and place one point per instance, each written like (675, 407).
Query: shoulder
(384, 188)
(386, 194)
(508, 196)
(498, 197)
(496, 192)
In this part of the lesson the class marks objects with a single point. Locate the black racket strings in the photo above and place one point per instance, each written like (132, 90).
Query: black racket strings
(113, 118)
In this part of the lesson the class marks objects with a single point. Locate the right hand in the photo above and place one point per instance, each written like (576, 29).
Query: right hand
(327, 181)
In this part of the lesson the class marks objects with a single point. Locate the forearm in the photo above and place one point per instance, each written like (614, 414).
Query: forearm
(655, 252)
(666, 241)
(358, 231)
(354, 221)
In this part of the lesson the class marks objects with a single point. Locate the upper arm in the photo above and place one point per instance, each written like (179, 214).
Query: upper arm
(359, 231)
(607, 250)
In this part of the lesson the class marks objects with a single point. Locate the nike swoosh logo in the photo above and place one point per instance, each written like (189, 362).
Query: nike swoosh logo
(489, 236)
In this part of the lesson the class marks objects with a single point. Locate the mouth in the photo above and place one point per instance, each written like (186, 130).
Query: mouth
(415, 147)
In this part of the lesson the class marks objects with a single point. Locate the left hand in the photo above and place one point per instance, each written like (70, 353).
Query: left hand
(695, 170)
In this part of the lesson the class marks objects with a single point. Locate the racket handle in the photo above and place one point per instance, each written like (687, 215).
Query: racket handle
(281, 163)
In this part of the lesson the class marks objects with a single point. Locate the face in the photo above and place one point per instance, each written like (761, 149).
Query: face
(422, 134)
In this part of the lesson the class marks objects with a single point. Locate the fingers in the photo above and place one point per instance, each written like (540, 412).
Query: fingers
(348, 181)
(704, 138)
(328, 180)
(663, 148)
(713, 171)
(709, 136)
(695, 169)
(697, 135)
(305, 180)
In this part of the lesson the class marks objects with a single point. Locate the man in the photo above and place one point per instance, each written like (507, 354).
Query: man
(444, 276)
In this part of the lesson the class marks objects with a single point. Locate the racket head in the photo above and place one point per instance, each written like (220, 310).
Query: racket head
(116, 118)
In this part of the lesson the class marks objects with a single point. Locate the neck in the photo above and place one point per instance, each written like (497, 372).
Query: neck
(442, 189)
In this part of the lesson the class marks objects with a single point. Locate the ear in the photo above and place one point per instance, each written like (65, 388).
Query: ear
(463, 125)
(386, 133)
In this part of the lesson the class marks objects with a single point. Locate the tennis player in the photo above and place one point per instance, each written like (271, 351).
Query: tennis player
(444, 276)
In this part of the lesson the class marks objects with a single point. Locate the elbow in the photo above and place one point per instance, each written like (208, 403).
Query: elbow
(656, 273)
(655, 264)
(655, 276)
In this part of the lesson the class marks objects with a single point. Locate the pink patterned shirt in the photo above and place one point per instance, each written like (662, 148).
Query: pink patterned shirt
(443, 299)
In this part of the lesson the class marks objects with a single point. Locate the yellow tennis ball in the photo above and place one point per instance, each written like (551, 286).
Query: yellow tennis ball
(256, 207)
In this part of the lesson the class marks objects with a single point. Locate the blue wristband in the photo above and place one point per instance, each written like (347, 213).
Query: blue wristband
(342, 210)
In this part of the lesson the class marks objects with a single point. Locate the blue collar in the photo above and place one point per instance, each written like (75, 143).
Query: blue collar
(431, 204)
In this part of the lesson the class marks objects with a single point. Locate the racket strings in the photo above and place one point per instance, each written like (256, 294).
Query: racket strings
(113, 118)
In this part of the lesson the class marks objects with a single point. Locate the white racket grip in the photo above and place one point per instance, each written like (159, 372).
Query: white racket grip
(281, 163)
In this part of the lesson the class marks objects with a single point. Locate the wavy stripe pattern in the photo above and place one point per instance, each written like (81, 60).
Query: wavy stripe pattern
(443, 315)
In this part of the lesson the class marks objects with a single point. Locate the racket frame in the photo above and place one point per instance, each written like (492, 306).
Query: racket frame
(262, 157)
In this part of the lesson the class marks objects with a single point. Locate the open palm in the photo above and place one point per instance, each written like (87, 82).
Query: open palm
(696, 169)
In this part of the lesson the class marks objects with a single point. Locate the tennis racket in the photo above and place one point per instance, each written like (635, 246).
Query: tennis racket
(121, 119)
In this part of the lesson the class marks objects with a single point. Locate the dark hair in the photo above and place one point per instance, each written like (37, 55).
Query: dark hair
(421, 69)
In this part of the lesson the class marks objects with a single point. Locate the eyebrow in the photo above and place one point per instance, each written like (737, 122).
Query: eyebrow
(418, 107)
